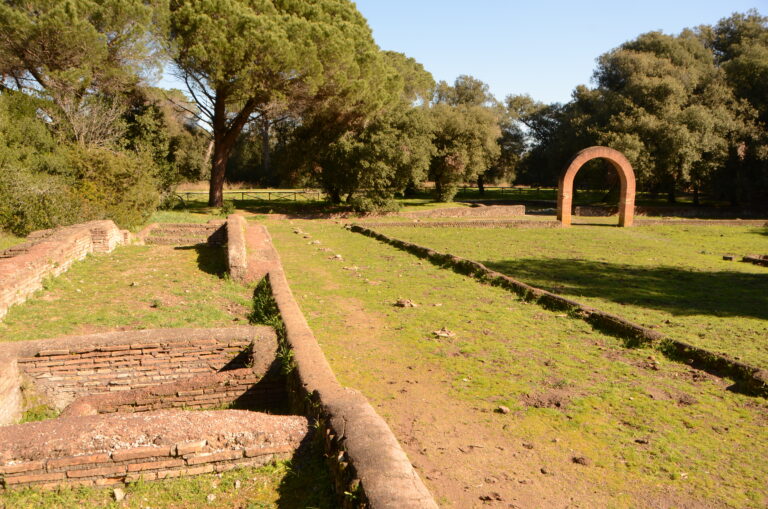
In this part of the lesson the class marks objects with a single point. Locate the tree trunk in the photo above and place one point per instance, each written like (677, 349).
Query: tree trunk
(696, 195)
(438, 190)
(218, 169)
(671, 197)
(481, 184)
(224, 138)
(265, 153)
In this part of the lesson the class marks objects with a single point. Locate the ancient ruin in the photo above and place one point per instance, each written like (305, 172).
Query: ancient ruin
(626, 176)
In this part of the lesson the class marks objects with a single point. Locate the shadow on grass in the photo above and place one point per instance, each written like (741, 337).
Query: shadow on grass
(210, 259)
(672, 289)
(288, 207)
(307, 483)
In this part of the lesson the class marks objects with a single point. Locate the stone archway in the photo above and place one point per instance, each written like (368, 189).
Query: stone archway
(626, 175)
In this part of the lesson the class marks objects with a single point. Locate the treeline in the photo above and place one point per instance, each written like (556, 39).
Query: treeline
(690, 112)
(297, 93)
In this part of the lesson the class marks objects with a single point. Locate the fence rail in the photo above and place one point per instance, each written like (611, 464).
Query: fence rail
(283, 196)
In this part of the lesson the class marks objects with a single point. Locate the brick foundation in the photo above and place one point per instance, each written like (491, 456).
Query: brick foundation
(49, 253)
(243, 387)
(105, 450)
(66, 373)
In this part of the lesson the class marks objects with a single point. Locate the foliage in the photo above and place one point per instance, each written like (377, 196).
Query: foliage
(238, 57)
(80, 55)
(114, 185)
(685, 109)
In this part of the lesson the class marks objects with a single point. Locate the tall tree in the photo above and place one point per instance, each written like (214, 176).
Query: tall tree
(740, 47)
(78, 54)
(465, 118)
(367, 161)
(237, 56)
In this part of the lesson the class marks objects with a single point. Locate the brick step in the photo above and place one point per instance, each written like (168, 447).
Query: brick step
(182, 241)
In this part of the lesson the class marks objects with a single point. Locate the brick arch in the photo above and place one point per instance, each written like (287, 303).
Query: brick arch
(626, 175)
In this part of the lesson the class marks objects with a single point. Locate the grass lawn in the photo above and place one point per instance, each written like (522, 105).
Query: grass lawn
(669, 277)
(138, 287)
(135, 287)
(7, 240)
(651, 431)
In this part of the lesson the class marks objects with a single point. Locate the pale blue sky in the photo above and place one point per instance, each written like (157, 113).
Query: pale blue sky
(540, 47)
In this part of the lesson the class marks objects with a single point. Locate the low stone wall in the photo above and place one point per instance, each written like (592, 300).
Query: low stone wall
(49, 253)
(244, 388)
(103, 450)
(368, 466)
(756, 259)
(750, 379)
(10, 391)
(213, 233)
(70, 367)
(66, 373)
(497, 223)
(478, 211)
(236, 251)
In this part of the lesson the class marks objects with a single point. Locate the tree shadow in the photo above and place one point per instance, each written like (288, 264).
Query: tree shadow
(676, 290)
(210, 259)
(307, 483)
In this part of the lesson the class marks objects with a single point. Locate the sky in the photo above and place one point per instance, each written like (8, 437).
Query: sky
(543, 48)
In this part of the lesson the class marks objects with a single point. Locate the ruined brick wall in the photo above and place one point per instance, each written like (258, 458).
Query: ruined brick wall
(67, 373)
(237, 258)
(244, 388)
(484, 211)
(10, 393)
(105, 450)
(49, 253)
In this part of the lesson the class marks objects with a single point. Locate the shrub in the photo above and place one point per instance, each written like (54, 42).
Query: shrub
(35, 201)
(114, 185)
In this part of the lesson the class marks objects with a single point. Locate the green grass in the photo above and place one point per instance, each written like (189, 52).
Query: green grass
(297, 484)
(7, 240)
(135, 287)
(148, 287)
(704, 442)
(669, 277)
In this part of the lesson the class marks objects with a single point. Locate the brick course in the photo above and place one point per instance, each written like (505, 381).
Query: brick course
(49, 253)
(261, 438)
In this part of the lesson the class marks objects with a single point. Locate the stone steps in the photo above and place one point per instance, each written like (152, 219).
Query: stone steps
(187, 234)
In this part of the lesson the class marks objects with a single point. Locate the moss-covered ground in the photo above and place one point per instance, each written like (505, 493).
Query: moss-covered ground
(669, 277)
(654, 431)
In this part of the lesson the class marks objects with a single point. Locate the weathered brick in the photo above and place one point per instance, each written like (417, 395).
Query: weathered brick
(190, 393)
(69, 461)
(258, 451)
(183, 448)
(109, 481)
(22, 467)
(53, 352)
(108, 470)
(141, 476)
(140, 452)
(22, 479)
(113, 348)
(155, 465)
(168, 474)
(202, 469)
(215, 456)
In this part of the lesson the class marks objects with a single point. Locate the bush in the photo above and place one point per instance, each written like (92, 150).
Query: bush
(30, 201)
(115, 185)
(372, 204)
